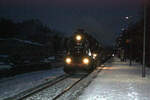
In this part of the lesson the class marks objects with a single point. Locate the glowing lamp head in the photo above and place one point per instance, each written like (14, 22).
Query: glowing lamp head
(78, 37)
(85, 61)
(68, 60)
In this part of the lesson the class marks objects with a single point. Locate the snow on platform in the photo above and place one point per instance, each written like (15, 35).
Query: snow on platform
(118, 81)
(19, 83)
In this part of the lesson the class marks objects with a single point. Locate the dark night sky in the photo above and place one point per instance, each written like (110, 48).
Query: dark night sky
(103, 18)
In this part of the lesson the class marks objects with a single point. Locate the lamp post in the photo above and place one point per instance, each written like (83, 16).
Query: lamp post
(128, 18)
(144, 40)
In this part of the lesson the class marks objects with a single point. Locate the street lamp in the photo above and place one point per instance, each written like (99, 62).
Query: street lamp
(127, 17)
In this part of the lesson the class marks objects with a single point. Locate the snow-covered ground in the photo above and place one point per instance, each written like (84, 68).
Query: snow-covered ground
(52, 92)
(28, 42)
(19, 83)
(118, 81)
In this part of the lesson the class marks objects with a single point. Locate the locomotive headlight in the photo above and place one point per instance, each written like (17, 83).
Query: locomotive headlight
(94, 55)
(78, 37)
(68, 60)
(85, 61)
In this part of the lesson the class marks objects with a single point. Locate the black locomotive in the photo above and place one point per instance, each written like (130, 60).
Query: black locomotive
(82, 53)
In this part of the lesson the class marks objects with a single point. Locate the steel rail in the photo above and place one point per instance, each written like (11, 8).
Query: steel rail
(38, 88)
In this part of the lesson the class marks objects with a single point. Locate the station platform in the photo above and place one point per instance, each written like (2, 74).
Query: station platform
(119, 81)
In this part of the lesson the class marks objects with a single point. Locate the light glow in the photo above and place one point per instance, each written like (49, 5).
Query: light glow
(78, 37)
(94, 55)
(68, 60)
(127, 17)
(89, 53)
(86, 61)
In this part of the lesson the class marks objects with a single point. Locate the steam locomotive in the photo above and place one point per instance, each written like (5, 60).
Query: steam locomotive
(82, 54)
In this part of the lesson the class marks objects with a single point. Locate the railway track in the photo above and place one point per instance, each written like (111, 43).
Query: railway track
(38, 88)
(60, 96)
(69, 87)
(36, 92)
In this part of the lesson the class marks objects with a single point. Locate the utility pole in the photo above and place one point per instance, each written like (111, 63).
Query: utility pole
(144, 40)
